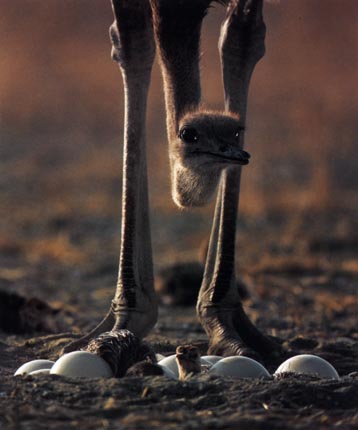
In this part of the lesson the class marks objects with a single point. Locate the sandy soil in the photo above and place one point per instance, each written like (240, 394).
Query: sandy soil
(302, 284)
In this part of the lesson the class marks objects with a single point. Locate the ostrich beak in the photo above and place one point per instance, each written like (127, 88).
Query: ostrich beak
(222, 151)
(232, 155)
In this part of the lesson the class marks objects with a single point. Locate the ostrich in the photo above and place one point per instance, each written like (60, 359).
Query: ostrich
(205, 150)
(188, 361)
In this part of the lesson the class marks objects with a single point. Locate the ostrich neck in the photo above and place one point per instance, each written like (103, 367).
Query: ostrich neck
(182, 93)
(177, 34)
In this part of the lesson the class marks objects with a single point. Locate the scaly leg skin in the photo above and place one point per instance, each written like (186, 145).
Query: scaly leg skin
(134, 306)
(219, 306)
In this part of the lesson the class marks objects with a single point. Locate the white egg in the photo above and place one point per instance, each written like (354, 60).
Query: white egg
(171, 364)
(168, 373)
(82, 364)
(159, 356)
(40, 372)
(309, 364)
(239, 367)
(33, 365)
(211, 359)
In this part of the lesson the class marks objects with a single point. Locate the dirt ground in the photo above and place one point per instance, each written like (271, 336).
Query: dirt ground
(301, 275)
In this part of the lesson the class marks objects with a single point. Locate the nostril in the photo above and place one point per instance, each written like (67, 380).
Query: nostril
(246, 154)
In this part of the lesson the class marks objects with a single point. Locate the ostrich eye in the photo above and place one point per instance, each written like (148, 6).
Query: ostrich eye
(238, 133)
(189, 135)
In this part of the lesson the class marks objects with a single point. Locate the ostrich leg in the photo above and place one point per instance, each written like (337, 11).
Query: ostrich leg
(134, 305)
(219, 306)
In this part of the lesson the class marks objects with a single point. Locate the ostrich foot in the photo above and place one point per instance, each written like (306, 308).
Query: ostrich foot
(138, 321)
(105, 325)
(232, 333)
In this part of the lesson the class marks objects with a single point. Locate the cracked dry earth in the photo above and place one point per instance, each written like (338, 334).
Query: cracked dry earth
(302, 283)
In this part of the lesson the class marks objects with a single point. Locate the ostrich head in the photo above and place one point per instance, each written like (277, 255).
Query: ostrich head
(207, 143)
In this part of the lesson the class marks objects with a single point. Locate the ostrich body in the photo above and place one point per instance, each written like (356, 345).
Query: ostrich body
(205, 150)
(121, 349)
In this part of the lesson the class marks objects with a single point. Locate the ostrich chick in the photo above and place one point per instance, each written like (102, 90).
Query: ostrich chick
(188, 361)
